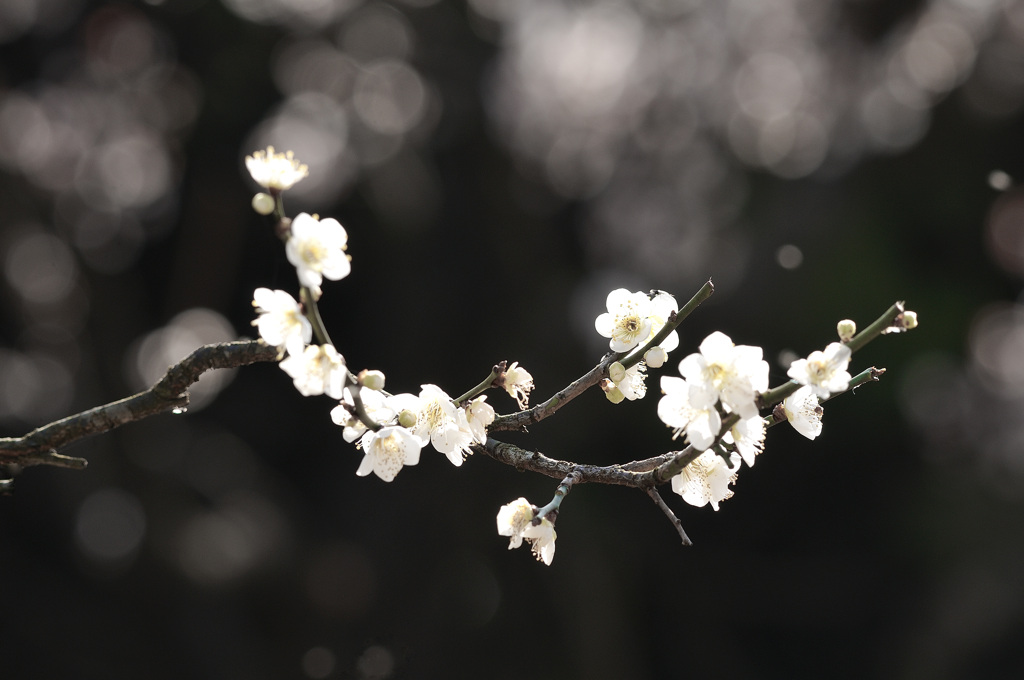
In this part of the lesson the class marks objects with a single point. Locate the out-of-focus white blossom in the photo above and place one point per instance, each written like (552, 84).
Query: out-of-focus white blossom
(387, 450)
(275, 171)
(675, 409)
(706, 479)
(734, 374)
(804, 412)
(518, 384)
(319, 369)
(825, 372)
(909, 320)
(280, 322)
(317, 249)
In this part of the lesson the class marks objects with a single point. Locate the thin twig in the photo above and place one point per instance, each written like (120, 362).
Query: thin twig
(659, 501)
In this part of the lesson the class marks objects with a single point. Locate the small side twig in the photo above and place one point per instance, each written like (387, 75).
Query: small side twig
(660, 502)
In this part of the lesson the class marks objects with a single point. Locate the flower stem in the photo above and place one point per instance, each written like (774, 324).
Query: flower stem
(313, 314)
(561, 492)
(486, 384)
(878, 327)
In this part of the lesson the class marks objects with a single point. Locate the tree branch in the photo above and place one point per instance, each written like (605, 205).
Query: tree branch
(39, 447)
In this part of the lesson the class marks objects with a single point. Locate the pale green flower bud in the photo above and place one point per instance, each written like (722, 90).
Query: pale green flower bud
(371, 380)
(263, 203)
(846, 329)
(909, 320)
(612, 391)
(656, 357)
(407, 418)
(616, 372)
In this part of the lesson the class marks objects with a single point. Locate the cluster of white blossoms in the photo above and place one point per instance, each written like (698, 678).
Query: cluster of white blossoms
(723, 379)
(632, 320)
(518, 520)
(402, 423)
(714, 402)
(409, 422)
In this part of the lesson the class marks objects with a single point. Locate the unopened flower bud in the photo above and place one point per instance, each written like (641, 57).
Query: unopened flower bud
(909, 320)
(656, 357)
(616, 372)
(371, 380)
(263, 203)
(612, 391)
(407, 418)
(846, 329)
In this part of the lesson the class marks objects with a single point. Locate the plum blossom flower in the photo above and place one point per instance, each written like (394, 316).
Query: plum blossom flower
(803, 412)
(479, 414)
(663, 305)
(275, 171)
(441, 423)
(824, 371)
(387, 450)
(317, 249)
(734, 374)
(376, 405)
(706, 479)
(627, 321)
(516, 520)
(518, 384)
(319, 369)
(280, 322)
(675, 409)
(747, 435)
(631, 383)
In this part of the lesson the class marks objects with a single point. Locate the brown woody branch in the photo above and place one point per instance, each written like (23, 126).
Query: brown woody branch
(40, 446)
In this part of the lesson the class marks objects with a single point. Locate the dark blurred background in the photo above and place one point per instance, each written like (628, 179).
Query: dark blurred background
(500, 165)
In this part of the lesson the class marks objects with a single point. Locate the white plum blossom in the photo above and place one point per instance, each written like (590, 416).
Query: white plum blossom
(747, 435)
(443, 424)
(280, 322)
(516, 520)
(317, 249)
(479, 414)
(387, 450)
(375, 404)
(632, 384)
(706, 479)
(804, 412)
(542, 540)
(734, 374)
(518, 384)
(824, 371)
(275, 171)
(663, 305)
(319, 369)
(627, 321)
(701, 425)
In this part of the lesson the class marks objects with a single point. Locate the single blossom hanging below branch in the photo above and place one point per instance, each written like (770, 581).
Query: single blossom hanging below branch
(719, 404)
